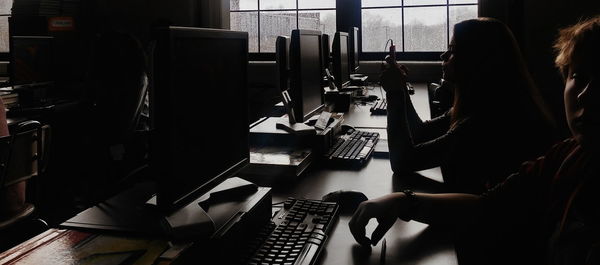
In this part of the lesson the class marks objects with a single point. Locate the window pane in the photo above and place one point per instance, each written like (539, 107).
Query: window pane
(243, 4)
(273, 24)
(424, 2)
(277, 4)
(381, 3)
(460, 13)
(246, 21)
(4, 34)
(379, 25)
(318, 20)
(425, 29)
(316, 4)
(463, 2)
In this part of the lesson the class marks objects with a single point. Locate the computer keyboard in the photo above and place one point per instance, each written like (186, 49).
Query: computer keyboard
(353, 148)
(379, 108)
(296, 235)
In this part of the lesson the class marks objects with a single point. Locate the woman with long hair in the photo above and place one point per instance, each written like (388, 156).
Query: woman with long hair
(497, 119)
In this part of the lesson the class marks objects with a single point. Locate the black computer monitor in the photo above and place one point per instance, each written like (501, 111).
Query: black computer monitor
(353, 49)
(31, 59)
(199, 108)
(306, 73)
(341, 69)
(282, 58)
(326, 43)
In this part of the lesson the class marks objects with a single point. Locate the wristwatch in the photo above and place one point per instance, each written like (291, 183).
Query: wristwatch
(413, 205)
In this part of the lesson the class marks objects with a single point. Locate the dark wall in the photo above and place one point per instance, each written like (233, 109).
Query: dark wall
(536, 24)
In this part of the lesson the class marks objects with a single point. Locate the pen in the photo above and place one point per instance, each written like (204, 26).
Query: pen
(382, 258)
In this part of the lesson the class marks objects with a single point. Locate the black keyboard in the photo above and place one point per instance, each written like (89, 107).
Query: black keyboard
(297, 233)
(379, 108)
(353, 148)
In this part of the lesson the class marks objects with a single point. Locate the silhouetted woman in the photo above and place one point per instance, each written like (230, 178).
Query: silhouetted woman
(497, 119)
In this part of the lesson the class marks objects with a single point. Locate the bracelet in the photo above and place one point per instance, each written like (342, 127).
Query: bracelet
(412, 209)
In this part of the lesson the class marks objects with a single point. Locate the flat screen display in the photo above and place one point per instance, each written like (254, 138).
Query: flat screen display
(200, 110)
(311, 73)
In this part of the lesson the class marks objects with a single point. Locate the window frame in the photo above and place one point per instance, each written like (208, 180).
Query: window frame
(270, 56)
(5, 56)
(366, 56)
(400, 53)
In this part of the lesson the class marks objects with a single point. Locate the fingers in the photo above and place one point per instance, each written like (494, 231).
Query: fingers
(382, 228)
(357, 226)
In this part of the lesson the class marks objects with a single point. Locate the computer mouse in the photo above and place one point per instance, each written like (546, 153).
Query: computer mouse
(347, 199)
(347, 129)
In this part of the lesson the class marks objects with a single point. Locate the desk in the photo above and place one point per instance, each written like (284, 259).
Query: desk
(359, 115)
(407, 243)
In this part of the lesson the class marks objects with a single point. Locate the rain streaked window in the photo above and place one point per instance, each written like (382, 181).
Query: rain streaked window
(413, 25)
(264, 20)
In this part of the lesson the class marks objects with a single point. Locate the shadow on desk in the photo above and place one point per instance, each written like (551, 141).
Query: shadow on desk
(416, 182)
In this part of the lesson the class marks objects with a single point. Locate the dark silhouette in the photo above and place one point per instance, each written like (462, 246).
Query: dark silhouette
(497, 119)
(546, 209)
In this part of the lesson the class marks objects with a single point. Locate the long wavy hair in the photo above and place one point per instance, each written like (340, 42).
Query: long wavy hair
(491, 75)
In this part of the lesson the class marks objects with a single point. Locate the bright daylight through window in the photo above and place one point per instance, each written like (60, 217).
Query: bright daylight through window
(414, 25)
(264, 20)
(5, 6)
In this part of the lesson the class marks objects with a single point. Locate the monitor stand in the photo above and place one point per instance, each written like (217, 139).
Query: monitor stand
(131, 212)
(295, 128)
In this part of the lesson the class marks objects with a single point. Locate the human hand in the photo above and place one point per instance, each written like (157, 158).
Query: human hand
(384, 209)
(394, 76)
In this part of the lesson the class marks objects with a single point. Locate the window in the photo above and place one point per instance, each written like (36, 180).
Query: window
(5, 6)
(264, 20)
(414, 25)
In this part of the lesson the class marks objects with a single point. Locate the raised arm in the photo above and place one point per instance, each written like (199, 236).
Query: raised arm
(414, 144)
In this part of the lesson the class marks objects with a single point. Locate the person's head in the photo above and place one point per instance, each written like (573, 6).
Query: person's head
(578, 58)
(484, 62)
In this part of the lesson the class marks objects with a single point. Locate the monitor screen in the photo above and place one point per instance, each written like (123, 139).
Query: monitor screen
(200, 111)
(326, 43)
(341, 69)
(282, 58)
(306, 72)
(30, 59)
(353, 49)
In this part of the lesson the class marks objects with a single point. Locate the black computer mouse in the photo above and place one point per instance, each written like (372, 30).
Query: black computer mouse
(347, 129)
(347, 199)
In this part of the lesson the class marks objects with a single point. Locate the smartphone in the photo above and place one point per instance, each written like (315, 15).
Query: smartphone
(392, 52)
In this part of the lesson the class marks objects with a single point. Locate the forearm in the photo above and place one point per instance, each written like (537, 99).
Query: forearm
(449, 208)
(399, 138)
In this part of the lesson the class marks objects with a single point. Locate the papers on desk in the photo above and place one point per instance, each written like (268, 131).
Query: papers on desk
(278, 160)
(73, 247)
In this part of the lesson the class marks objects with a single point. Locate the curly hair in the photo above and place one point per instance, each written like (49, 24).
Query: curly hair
(581, 38)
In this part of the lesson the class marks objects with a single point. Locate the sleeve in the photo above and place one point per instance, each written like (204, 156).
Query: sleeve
(406, 154)
(526, 188)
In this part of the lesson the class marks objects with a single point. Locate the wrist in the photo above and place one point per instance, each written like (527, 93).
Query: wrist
(410, 205)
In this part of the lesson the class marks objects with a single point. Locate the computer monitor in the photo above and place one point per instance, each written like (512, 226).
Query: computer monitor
(326, 43)
(282, 58)
(31, 59)
(306, 73)
(198, 140)
(353, 49)
(341, 69)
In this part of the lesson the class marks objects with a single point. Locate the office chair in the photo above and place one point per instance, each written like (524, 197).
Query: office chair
(441, 98)
(23, 157)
